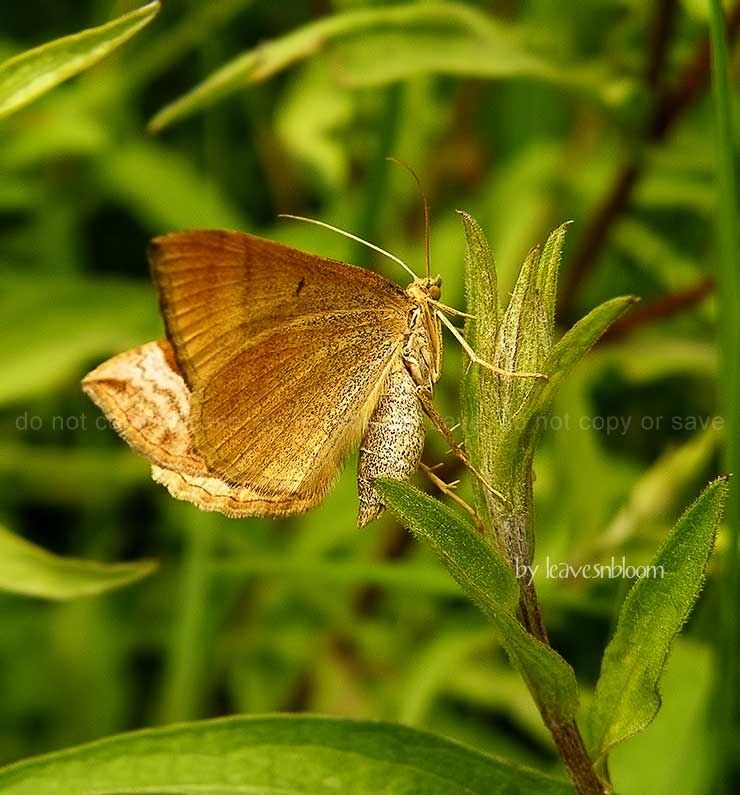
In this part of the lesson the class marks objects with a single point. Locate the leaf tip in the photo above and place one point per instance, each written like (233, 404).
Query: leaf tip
(155, 125)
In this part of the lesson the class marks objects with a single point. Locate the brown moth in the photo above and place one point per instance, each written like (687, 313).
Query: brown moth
(278, 363)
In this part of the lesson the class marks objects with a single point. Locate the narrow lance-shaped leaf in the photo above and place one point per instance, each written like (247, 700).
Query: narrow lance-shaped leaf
(448, 38)
(494, 406)
(277, 753)
(627, 696)
(520, 334)
(491, 584)
(34, 72)
(524, 431)
(479, 386)
(29, 570)
(547, 277)
(657, 490)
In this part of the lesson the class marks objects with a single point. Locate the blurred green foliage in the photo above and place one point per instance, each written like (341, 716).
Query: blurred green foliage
(308, 613)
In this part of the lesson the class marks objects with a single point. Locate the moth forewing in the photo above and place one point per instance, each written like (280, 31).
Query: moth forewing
(278, 364)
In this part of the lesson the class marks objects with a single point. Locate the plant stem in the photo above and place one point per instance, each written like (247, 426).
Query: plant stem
(567, 736)
(728, 281)
(660, 308)
(669, 108)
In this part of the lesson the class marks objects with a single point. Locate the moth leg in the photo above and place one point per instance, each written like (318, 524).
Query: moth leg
(455, 446)
(449, 490)
(450, 309)
(477, 360)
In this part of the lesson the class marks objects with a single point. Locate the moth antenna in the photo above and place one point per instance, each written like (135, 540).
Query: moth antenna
(425, 204)
(351, 237)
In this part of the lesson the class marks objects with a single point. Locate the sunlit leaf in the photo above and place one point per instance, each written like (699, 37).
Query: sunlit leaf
(32, 571)
(286, 754)
(165, 190)
(34, 72)
(627, 696)
(479, 387)
(309, 119)
(380, 45)
(201, 22)
(655, 493)
(547, 279)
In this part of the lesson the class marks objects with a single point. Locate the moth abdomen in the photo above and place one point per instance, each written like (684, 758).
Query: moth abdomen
(393, 442)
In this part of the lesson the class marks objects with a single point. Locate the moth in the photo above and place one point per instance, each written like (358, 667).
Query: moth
(276, 365)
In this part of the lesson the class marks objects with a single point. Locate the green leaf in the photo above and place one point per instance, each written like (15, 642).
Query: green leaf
(191, 30)
(547, 278)
(658, 490)
(481, 288)
(674, 755)
(432, 37)
(86, 318)
(519, 338)
(491, 584)
(31, 571)
(309, 119)
(627, 696)
(573, 346)
(502, 415)
(276, 753)
(164, 190)
(417, 577)
(479, 388)
(34, 72)
(517, 444)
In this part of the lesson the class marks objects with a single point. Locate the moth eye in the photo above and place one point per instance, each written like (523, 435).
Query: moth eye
(435, 293)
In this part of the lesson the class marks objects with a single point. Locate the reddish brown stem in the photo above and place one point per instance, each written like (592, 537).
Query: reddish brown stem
(663, 307)
(669, 107)
(567, 736)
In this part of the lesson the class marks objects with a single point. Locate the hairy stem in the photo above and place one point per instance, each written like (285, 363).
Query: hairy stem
(566, 735)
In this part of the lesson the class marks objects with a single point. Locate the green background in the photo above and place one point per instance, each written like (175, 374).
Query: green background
(310, 614)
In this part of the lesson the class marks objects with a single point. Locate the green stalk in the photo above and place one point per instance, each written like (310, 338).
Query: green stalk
(728, 282)
(184, 676)
(371, 212)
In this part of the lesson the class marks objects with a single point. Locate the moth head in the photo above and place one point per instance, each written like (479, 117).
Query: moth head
(428, 287)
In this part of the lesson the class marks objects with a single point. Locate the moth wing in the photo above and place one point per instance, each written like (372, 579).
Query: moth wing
(220, 290)
(283, 413)
(210, 493)
(143, 394)
(145, 398)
